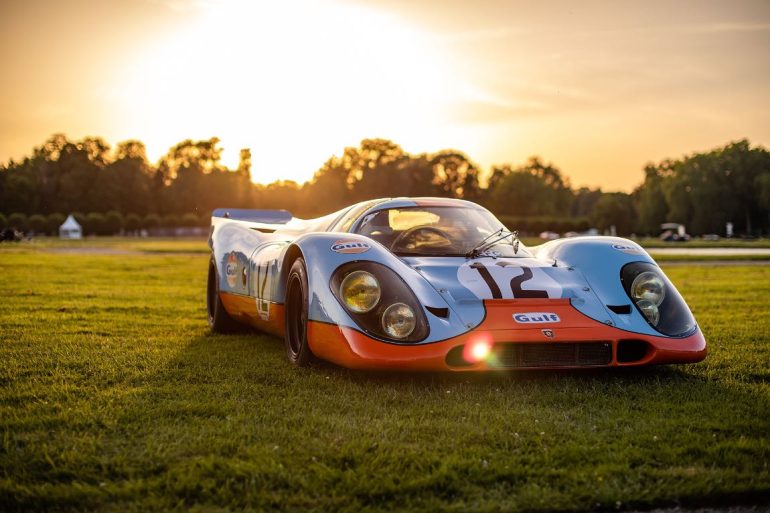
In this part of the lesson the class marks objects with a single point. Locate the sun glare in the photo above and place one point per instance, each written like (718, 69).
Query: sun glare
(295, 82)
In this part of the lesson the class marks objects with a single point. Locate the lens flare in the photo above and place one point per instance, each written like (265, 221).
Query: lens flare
(477, 351)
(480, 350)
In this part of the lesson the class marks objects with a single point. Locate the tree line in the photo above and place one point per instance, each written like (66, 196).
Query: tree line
(116, 189)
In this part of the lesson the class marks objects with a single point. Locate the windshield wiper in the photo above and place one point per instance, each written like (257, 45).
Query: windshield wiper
(485, 243)
(477, 248)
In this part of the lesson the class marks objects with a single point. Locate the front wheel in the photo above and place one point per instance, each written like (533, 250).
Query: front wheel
(297, 348)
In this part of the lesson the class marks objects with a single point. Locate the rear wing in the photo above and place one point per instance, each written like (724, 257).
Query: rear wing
(240, 224)
(254, 216)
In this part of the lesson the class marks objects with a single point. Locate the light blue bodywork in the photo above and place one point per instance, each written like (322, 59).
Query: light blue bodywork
(254, 250)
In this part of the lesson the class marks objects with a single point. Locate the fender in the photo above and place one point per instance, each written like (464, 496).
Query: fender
(600, 260)
(325, 252)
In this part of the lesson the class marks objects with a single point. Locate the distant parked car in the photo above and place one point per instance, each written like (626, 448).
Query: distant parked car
(673, 232)
(549, 235)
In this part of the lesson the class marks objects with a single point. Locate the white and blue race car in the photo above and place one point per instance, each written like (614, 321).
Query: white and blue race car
(441, 284)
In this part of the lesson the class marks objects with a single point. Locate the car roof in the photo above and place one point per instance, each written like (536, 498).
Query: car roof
(386, 203)
(404, 202)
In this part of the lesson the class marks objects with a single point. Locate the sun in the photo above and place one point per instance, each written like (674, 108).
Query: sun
(293, 81)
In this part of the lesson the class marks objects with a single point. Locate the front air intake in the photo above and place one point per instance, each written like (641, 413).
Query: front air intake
(630, 351)
(540, 354)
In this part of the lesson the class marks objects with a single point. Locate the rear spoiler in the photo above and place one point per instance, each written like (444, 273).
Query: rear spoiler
(254, 216)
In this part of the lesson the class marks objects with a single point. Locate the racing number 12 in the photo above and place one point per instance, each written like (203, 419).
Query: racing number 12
(516, 282)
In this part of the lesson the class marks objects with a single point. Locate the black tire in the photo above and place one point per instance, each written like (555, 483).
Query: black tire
(295, 338)
(219, 320)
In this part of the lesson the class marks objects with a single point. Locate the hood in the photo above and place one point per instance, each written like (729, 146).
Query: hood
(466, 283)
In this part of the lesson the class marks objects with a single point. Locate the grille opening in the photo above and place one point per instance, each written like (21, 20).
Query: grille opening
(630, 351)
(454, 357)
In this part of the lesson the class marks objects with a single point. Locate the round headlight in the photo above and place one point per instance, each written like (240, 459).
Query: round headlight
(399, 320)
(650, 310)
(648, 286)
(360, 291)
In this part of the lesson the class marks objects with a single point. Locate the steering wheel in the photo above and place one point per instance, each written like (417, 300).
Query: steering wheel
(408, 234)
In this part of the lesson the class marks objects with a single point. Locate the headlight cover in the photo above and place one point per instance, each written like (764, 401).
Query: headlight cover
(399, 320)
(657, 300)
(648, 286)
(397, 304)
(360, 291)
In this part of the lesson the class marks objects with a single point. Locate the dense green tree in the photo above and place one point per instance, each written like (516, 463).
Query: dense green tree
(128, 180)
(19, 221)
(170, 221)
(330, 183)
(188, 220)
(584, 201)
(703, 190)
(454, 175)
(650, 202)
(53, 222)
(3, 221)
(94, 224)
(37, 224)
(706, 190)
(151, 221)
(113, 222)
(614, 209)
(532, 189)
(133, 222)
(375, 169)
(763, 196)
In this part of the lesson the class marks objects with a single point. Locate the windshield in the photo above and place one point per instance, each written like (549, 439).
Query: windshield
(436, 231)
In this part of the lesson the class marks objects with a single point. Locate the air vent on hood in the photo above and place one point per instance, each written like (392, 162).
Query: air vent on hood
(438, 312)
(620, 309)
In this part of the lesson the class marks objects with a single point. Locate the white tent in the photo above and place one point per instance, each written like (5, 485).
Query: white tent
(70, 229)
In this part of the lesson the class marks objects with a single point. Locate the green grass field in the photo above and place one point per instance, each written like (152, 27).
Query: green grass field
(114, 396)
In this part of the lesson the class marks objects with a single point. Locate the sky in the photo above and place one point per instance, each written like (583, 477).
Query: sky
(597, 88)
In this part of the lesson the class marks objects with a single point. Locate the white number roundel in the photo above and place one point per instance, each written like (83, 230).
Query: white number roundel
(508, 279)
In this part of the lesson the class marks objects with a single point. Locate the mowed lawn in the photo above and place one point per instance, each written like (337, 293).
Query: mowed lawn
(114, 396)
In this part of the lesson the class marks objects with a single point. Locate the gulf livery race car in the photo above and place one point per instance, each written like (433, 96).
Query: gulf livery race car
(441, 284)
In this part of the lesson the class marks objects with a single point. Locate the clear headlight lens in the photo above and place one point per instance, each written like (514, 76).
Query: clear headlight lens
(649, 287)
(360, 291)
(650, 310)
(399, 320)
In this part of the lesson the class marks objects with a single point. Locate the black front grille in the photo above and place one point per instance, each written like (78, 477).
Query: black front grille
(552, 354)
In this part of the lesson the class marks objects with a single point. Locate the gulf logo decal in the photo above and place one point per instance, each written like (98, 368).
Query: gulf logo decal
(231, 269)
(536, 317)
(350, 246)
(628, 248)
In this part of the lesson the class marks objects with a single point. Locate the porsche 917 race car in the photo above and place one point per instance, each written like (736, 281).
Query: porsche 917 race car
(440, 284)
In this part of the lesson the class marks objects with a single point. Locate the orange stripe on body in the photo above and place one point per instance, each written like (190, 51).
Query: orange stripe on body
(244, 309)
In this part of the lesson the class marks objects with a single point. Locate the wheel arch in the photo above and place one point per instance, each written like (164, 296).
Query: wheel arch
(293, 252)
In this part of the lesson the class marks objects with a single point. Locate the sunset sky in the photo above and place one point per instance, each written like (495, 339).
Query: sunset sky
(597, 88)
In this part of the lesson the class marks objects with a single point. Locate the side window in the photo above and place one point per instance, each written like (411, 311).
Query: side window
(344, 224)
